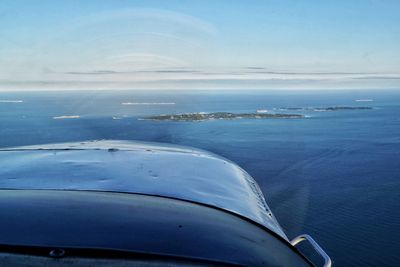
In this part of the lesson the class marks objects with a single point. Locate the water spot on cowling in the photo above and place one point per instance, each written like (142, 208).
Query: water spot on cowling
(113, 149)
(180, 226)
(57, 253)
(153, 175)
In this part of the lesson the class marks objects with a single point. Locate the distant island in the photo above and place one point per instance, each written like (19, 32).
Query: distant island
(221, 116)
(336, 108)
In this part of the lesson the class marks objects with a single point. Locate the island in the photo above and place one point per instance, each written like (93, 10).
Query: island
(202, 116)
(342, 108)
(336, 108)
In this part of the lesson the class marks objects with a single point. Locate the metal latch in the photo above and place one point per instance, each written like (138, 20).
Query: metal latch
(320, 251)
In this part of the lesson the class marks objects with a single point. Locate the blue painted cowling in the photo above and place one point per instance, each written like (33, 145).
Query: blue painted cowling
(186, 183)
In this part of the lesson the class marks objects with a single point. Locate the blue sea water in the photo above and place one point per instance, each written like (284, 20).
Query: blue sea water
(334, 174)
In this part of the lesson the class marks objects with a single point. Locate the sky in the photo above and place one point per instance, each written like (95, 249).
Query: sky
(199, 44)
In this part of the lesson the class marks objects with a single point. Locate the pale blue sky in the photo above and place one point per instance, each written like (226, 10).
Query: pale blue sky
(199, 44)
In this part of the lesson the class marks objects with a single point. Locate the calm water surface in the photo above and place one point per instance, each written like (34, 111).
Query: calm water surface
(334, 174)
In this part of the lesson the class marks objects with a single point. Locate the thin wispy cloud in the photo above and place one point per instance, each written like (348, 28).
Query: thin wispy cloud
(107, 72)
(95, 72)
(316, 75)
(378, 78)
(254, 68)
(309, 73)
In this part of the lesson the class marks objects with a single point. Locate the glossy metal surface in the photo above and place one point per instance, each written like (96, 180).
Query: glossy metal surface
(105, 224)
(135, 167)
(314, 244)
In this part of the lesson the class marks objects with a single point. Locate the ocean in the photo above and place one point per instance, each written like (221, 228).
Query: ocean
(334, 174)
